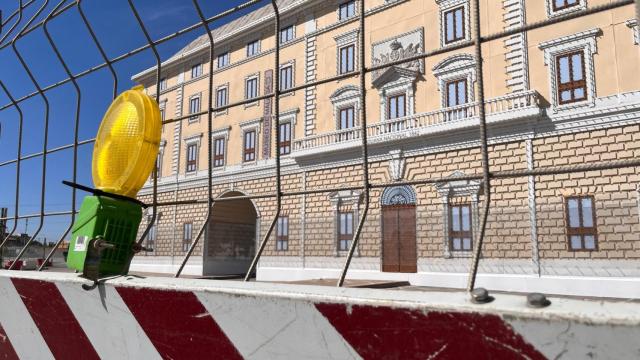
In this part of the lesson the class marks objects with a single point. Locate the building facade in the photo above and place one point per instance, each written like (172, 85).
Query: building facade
(560, 95)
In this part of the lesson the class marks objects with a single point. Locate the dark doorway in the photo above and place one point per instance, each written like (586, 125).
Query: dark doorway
(231, 236)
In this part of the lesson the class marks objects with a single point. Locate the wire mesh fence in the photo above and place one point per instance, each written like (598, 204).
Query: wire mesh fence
(37, 16)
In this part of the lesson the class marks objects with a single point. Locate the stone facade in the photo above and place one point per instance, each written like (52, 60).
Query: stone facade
(529, 129)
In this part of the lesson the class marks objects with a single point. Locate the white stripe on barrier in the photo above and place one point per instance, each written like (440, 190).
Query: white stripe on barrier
(571, 340)
(268, 328)
(108, 323)
(19, 326)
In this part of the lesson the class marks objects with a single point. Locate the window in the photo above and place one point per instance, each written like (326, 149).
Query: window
(218, 152)
(286, 34)
(192, 157)
(284, 144)
(223, 60)
(253, 48)
(251, 90)
(222, 98)
(460, 227)
(162, 114)
(572, 83)
(163, 84)
(456, 92)
(396, 107)
(347, 10)
(282, 234)
(152, 236)
(454, 29)
(196, 71)
(581, 223)
(347, 118)
(158, 169)
(286, 77)
(564, 4)
(347, 63)
(187, 232)
(194, 108)
(345, 230)
(250, 145)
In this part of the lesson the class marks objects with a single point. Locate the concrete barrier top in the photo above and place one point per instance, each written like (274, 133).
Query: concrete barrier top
(49, 316)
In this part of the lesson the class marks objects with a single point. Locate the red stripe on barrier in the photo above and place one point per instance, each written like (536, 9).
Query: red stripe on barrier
(53, 317)
(6, 349)
(177, 324)
(383, 332)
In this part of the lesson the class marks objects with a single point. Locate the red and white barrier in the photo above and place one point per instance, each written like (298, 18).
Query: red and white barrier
(47, 316)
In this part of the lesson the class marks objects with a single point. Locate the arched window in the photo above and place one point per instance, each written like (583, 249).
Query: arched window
(399, 195)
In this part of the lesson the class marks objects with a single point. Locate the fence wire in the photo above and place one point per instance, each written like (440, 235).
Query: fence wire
(12, 30)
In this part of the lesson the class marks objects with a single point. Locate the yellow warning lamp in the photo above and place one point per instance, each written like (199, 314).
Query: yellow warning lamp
(126, 148)
(127, 143)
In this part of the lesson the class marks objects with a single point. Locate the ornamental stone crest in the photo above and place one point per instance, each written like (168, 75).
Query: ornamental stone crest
(396, 165)
(397, 48)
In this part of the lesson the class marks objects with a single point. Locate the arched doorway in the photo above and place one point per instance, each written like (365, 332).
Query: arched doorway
(399, 252)
(231, 236)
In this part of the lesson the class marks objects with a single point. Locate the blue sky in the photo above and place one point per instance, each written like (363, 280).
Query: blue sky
(119, 33)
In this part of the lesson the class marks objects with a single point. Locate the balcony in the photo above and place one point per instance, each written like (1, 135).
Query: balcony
(517, 106)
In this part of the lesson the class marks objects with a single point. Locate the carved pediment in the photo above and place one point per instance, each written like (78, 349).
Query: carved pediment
(398, 48)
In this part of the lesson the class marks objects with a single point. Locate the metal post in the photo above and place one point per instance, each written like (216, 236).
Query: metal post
(75, 133)
(209, 147)
(154, 204)
(486, 181)
(46, 134)
(365, 150)
(276, 121)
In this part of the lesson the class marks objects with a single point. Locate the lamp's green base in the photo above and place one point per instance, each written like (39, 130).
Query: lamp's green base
(116, 222)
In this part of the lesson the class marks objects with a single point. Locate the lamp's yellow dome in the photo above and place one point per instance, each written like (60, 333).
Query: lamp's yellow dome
(127, 143)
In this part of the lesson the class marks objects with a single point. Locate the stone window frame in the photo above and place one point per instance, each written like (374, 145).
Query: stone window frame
(251, 125)
(246, 79)
(634, 25)
(355, 11)
(347, 39)
(447, 5)
(345, 197)
(186, 245)
(162, 105)
(344, 97)
(284, 239)
(583, 41)
(199, 72)
(196, 118)
(403, 86)
(582, 5)
(290, 116)
(165, 82)
(258, 51)
(581, 231)
(160, 158)
(223, 53)
(220, 87)
(291, 63)
(452, 189)
(455, 67)
(192, 140)
(221, 134)
(289, 25)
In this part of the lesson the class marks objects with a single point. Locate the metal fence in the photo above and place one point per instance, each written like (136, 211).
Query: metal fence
(15, 26)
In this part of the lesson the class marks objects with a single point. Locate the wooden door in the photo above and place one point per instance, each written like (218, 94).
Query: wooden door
(399, 253)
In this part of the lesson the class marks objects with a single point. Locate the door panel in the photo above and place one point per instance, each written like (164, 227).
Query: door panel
(390, 243)
(407, 239)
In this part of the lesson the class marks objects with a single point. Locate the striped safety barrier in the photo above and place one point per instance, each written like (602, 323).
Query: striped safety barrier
(47, 316)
